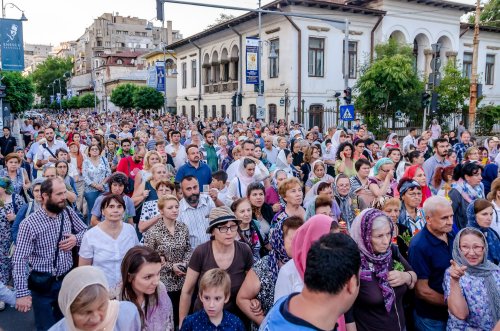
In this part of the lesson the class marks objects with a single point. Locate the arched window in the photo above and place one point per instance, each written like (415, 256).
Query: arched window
(183, 110)
(273, 116)
(193, 113)
(253, 111)
(205, 112)
(223, 111)
(214, 111)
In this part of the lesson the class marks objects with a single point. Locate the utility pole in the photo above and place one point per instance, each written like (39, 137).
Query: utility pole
(473, 83)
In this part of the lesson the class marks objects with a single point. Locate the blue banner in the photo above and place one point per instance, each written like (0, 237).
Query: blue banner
(58, 98)
(252, 61)
(152, 77)
(160, 76)
(51, 98)
(11, 34)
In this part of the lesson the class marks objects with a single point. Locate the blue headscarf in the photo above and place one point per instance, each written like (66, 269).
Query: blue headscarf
(490, 173)
(381, 162)
(491, 235)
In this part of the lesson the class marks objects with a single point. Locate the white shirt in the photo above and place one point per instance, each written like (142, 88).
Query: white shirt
(44, 154)
(107, 253)
(288, 281)
(180, 154)
(196, 219)
(407, 141)
(260, 174)
(271, 155)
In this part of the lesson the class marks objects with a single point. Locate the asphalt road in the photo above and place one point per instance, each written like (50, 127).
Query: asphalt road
(12, 320)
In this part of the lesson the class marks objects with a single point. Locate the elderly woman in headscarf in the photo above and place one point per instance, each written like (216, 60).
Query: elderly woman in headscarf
(273, 197)
(382, 182)
(348, 205)
(245, 175)
(472, 284)
(391, 142)
(385, 275)
(291, 275)
(317, 174)
(480, 216)
(260, 281)
(338, 138)
(411, 215)
(83, 300)
(321, 189)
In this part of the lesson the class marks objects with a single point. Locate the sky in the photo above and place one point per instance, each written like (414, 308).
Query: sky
(55, 21)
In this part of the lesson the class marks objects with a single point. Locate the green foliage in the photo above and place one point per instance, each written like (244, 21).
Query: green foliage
(453, 90)
(48, 71)
(387, 85)
(87, 101)
(147, 98)
(486, 117)
(122, 96)
(72, 102)
(20, 91)
(490, 14)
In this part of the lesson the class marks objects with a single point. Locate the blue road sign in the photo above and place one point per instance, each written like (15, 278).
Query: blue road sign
(347, 113)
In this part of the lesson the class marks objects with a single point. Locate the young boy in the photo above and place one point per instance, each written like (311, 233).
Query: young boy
(219, 182)
(125, 133)
(215, 289)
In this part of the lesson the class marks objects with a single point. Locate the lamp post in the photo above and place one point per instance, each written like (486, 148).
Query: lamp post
(53, 91)
(23, 17)
(60, 93)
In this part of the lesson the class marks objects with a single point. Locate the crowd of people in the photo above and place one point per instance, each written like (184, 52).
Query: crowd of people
(135, 221)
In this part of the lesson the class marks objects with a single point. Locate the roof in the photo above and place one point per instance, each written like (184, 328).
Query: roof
(276, 6)
(124, 54)
(487, 28)
(435, 3)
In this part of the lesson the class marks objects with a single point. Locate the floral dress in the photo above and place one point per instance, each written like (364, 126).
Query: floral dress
(18, 182)
(95, 174)
(266, 293)
(474, 291)
(5, 236)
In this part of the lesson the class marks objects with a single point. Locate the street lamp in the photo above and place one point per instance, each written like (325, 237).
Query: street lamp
(60, 93)
(23, 17)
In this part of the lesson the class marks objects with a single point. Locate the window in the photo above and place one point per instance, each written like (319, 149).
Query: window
(274, 49)
(223, 111)
(353, 59)
(193, 113)
(490, 69)
(119, 61)
(193, 73)
(272, 113)
(205, 112)
(467, 65)
(184, 75)
(214, 111)
(107, 43)
(183, 110)
(316, 57)
(253, 111)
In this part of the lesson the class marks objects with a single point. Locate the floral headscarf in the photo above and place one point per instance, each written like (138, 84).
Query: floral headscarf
(371, 263)
(6, 184)
(278, 253)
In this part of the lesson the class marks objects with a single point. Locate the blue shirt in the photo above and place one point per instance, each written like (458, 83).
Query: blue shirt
(280, 318)
(202, 173)
(429, 257)
(430, 166)
(200, 321)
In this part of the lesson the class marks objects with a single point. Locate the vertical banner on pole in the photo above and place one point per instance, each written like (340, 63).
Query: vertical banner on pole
(152, 77)
(160, 76)
(11, 34)
(252, 53)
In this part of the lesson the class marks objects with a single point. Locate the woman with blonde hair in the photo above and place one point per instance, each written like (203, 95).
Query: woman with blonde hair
(472, 155)
(83, 300)
(150, 159)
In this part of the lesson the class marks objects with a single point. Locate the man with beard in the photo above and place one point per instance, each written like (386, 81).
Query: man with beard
(47, 150)
(193, 211)
(194, 167)
(45, 240)
(441, 146)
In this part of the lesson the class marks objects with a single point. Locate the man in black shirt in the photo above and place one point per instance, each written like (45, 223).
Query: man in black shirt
(7, 144)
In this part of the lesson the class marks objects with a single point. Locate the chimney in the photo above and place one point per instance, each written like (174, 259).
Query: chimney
(169, 32)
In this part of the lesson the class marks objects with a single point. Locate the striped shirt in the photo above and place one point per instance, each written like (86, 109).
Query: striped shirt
(36, 246)
(196, 219)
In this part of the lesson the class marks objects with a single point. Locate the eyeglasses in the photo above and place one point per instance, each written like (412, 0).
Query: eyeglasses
(225, 229)
(383, 170)
(475, 249)
(414, 195)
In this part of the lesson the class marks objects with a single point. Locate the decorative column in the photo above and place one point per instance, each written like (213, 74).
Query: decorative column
(427, 65)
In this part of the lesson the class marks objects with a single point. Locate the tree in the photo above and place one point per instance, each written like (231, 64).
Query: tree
(87, 101)
(148, 98)
(221, 19)
(122, 96)
(453, 90)
(47, 72)
(388, 85)
(73, 102)
(487, 117)
(490, 14)
(20, 91)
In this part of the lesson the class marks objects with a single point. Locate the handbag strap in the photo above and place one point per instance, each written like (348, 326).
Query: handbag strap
(48, 150)
(54, 263)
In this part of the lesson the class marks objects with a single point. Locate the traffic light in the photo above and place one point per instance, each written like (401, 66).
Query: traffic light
(426, 99)
(435, 102)
(348, 96)
(239, 100)
(233, 100)
(159, 10)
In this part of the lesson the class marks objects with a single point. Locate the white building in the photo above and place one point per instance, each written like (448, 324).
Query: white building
(211, 64)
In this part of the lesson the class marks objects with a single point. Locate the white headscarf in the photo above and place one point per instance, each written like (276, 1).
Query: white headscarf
(282, 164)
(73, 284)
(242, 174)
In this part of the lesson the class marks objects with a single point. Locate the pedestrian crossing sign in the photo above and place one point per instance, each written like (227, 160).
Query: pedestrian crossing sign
(347, 113)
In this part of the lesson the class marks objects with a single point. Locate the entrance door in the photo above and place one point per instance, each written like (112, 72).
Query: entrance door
(316, 116)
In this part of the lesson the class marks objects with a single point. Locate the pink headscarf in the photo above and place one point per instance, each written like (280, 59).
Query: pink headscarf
(306, 235)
